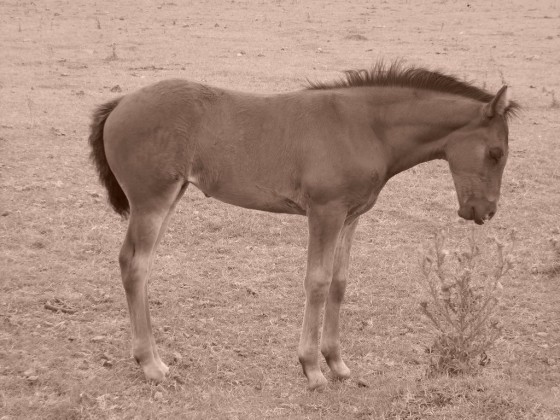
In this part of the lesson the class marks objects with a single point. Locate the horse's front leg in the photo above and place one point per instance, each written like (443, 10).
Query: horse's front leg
(330, 341)
(325, 224)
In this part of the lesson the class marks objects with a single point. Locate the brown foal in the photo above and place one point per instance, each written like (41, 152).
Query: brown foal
(324, 152)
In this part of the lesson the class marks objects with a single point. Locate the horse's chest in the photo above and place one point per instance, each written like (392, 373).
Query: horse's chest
(364, 198)
(364, 206)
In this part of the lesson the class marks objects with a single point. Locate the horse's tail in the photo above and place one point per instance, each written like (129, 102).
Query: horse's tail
(117, 197)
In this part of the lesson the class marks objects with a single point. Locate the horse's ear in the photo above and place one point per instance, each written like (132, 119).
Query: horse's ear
(499, 104)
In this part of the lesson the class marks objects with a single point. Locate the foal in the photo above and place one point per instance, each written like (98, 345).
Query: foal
(324, 152)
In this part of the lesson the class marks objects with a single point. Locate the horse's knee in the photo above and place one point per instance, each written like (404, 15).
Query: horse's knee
(317, 284)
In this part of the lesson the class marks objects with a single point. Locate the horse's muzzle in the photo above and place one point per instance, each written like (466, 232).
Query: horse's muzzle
(478, 209)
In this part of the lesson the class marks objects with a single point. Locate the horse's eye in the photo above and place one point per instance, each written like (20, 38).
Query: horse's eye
(496, 153)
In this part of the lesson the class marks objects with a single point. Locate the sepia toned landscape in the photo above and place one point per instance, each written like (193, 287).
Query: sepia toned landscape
(226, 292)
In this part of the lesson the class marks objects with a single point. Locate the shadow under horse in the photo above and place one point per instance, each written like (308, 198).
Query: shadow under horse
(325, 152)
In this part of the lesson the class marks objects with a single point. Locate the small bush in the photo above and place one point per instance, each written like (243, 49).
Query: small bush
(462, 304)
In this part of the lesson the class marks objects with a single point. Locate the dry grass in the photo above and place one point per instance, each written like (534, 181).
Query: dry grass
(226, 293)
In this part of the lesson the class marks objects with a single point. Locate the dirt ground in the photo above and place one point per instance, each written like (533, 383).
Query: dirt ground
(226, 292)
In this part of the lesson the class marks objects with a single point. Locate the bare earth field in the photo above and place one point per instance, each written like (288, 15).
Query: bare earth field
(226, 291)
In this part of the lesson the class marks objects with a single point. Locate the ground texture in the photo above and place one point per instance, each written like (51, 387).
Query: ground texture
(226, 292)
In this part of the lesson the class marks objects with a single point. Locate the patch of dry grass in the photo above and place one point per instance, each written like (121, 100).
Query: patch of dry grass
(464, 398)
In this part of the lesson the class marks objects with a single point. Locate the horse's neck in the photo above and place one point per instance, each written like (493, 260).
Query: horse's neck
(417, 130)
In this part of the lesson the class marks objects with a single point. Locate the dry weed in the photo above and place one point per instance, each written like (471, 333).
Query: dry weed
(462, 303)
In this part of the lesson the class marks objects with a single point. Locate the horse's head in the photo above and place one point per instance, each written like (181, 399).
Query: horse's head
(477, 156)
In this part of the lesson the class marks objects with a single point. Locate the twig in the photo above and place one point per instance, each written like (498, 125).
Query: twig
(64, 309)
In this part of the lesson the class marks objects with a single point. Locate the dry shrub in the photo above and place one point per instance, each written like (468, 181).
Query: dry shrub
(462, 302)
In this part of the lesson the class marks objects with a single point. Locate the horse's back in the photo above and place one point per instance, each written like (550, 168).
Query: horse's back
(227, 143)
(268, 152)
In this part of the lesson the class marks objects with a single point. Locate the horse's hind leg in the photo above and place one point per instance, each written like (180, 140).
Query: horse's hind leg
(147, 224)
(330, 341)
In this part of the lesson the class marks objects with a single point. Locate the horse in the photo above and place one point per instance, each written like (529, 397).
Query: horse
(324, 151)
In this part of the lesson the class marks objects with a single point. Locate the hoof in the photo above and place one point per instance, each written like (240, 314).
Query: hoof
(163, 366)
(155, 371)
(340, 371)
(317, 382)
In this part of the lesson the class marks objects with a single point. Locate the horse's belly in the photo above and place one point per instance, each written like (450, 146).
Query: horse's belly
(254, 196)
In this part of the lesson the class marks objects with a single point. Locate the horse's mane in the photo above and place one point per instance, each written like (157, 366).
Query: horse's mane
(398, 75)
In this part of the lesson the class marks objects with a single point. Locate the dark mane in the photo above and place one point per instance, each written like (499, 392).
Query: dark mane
(396, 74)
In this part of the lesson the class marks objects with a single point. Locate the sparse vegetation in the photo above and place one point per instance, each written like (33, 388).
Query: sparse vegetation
(462, 303)
(554, 102)
(113, 56)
